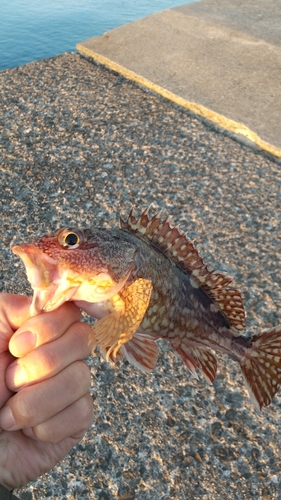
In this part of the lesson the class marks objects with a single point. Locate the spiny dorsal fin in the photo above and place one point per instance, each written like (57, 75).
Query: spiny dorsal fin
(181, 250)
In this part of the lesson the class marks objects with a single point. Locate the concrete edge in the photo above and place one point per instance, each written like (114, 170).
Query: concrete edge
(236, 128)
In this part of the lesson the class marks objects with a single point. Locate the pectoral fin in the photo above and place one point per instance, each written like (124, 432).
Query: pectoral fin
(127, 310)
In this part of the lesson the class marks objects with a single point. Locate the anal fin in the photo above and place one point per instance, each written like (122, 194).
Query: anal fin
(127, 310)
(197, 358)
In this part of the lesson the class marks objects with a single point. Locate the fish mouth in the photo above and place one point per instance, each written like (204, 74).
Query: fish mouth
(44, 276)
(54, 282)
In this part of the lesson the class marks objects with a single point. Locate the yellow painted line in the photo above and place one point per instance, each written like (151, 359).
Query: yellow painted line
(220, 120)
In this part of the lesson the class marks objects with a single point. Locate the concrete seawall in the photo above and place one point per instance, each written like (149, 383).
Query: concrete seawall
(219, 59)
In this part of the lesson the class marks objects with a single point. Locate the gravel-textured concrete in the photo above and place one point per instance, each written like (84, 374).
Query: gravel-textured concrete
(79, 144)
(222, 54)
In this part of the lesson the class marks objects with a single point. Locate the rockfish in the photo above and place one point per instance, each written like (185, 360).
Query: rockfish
(145, 281)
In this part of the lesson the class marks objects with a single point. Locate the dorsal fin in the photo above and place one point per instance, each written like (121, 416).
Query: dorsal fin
(181, 250)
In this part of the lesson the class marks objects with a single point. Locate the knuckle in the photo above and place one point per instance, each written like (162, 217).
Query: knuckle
(84, 328)
(71, 308)
(80, 332)
(24, 407)
(74, 342)
(83, 375)
(72, 421)
(76, 378)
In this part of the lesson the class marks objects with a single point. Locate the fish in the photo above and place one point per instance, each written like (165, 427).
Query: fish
(144, 281)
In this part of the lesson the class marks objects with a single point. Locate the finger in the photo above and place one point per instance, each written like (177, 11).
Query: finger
(72, 421)
(49, 359)
(14, 311)
(39, 402)
(43, 328)
(5, 359)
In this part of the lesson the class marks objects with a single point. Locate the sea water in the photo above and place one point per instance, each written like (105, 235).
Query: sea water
(32, 30)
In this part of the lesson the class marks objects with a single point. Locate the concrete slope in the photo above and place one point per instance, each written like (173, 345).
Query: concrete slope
(223, 57)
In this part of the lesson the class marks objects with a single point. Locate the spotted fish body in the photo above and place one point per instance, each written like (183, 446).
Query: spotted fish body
(146, 281)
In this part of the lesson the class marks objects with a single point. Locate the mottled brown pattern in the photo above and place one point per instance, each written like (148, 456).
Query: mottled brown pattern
(191, 306)
(181, 250)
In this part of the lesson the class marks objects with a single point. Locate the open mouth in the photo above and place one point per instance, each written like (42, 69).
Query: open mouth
(55, 282)
(43, 275)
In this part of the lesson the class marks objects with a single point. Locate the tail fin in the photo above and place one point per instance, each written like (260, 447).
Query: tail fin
(261, 367)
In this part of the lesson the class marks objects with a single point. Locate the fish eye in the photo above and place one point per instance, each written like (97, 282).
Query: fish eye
(69, 238)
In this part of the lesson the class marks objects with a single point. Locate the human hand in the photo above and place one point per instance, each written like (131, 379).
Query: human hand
(45, 406)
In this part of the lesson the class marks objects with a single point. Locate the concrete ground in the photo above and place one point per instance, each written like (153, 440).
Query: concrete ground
(219, 58)
(80, 144)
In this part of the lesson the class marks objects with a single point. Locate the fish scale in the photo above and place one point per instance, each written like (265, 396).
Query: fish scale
(145, 281)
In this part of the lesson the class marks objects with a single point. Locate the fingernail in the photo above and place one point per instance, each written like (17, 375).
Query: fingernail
(22, 343)
(16, 376)
(7, 420)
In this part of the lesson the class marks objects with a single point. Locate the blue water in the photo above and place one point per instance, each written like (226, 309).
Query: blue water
(34, 29)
